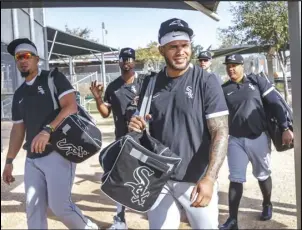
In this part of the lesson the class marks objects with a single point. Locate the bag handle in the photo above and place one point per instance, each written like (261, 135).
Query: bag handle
(151, 161)
(146, 103)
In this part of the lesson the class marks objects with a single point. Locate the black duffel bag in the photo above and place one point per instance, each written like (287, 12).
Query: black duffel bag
(77, 137)
(274, 130)
(137, 166)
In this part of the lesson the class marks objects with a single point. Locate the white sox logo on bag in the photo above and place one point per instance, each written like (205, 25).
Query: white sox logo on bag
(140, 188)
(71, 149)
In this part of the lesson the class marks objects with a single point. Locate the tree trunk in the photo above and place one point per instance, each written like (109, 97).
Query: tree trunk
(282, 65)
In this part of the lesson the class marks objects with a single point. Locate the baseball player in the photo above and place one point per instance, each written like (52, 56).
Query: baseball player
(249, 141)
(205, 62)
(48, 177)
(190, 116)
(119, 94)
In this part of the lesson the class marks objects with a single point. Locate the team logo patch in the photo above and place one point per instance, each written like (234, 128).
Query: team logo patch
(71, 149)
(176, 22)
(251, 87)
(140, 188)
(189, 92)
(232, 57)
(41, 90)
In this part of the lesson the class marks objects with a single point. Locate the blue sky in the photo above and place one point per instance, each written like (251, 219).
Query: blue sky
(136, 27)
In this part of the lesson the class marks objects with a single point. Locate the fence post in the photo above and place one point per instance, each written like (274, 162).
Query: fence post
(2, 109)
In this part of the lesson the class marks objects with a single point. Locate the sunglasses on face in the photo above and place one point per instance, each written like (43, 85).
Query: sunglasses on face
(126, 59)
(203, 60)
(25, 56)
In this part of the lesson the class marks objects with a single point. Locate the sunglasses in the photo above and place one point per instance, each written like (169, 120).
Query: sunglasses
(203, 60)
(25, 56)
(126, 59)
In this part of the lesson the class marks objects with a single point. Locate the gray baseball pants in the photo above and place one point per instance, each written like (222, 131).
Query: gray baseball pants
(48, 183)
(242, 150)
(175, 196)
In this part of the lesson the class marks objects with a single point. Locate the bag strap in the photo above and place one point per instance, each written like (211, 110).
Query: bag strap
(146, 103)
(53, 89)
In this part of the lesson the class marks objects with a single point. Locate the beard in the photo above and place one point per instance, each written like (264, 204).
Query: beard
(126, 68)
(24, 74)
(177, 67)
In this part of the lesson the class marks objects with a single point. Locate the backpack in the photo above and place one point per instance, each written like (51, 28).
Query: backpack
(77, 137)
(273, 128)
(137, 166)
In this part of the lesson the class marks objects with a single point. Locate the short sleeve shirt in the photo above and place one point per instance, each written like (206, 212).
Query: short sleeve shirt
(180, 108)
(119, 95)
(33, 105)
(247, 116)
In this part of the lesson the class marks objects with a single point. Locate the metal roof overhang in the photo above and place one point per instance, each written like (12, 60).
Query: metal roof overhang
(70, 45)
(244, 49)
(209, 8)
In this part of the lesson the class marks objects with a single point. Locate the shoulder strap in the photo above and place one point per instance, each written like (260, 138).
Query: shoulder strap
(53, 89)
(146, 103)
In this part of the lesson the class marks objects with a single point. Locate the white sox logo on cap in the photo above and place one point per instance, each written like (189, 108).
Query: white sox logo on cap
(176, 22)
(127, 51)
(232, 57)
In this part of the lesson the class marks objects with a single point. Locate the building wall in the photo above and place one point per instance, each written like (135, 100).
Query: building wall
(20, 23)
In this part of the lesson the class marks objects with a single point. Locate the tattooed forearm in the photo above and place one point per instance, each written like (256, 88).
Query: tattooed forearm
(219, 131)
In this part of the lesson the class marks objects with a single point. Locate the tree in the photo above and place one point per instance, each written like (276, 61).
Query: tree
(196, 49)
(261, 23)
(149, 55)
(81, 32)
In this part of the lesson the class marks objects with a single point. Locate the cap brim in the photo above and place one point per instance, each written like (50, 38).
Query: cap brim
(12, 46)
(239, 63)
(204, 58)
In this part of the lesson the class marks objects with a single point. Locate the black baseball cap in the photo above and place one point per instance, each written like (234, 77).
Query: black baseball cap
(13, 44)
(174, 24)
(205, 55)
(127, 53)
(233, 59)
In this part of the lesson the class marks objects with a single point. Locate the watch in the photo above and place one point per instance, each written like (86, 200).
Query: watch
(285, 129)
(48, 128)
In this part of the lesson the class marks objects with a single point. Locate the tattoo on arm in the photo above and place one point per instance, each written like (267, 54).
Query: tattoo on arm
(219, 130)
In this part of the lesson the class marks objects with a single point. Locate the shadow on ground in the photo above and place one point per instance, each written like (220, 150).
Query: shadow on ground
(247, 219)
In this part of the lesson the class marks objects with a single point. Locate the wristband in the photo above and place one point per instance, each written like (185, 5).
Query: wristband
(9, 161)
(48, 128)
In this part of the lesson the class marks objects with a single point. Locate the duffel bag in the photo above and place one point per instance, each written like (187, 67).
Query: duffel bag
(139, 167)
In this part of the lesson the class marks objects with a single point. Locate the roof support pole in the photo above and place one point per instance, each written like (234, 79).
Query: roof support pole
(70, 70)
(294, 20)
(52, 44)
(103, 70)
(101, 66)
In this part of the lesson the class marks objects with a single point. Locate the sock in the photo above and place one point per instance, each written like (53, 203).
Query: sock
(235, 194)
(120, 212)
(266, 189)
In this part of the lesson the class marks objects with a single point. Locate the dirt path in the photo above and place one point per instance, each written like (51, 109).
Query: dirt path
(87, 195)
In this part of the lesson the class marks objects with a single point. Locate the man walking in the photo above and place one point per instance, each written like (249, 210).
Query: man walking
(249, 141)
(190, 116)
(119, 94)
(48, 177)
(205, 62)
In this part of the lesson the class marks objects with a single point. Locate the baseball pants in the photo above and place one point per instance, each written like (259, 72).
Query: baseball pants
(241, 151)
(48, 183)
(166, 211)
